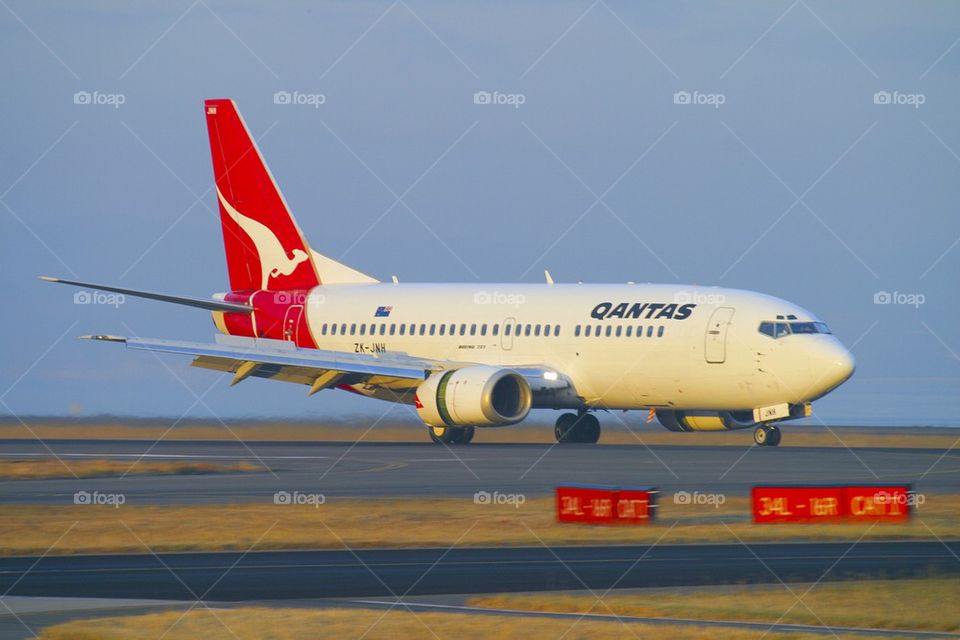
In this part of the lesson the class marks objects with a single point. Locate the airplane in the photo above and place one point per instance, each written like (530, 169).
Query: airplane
(470, 356)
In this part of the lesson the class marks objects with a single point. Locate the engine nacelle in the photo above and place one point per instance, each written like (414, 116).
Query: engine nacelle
(705, 420)
(474, 396)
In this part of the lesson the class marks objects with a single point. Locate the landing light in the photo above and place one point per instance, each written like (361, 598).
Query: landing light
(550, 375)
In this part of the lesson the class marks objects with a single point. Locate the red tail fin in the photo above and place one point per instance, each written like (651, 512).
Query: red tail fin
(265, 248)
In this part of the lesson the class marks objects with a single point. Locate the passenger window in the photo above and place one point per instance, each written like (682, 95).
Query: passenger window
(403, 328)
(660, 331)
(576, 331)
(433, 328)
(629, 330)
(353, 329)
(423, 329)
(639, 332)
(587, 331)
(343, 328)
(443, 329)
(333, 329)
(323, 329)
(383, 329)
(463, 329)
(495, 329)
(483, 329)
(650, 331)
(599, 331)
(473, 329)
(536, 330)
(393, 328)
(556, 330)
(609, 330)
(619, 330)
(453, 329)
(526, 331)
(506, 329)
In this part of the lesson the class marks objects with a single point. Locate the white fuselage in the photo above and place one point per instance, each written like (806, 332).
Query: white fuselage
(712, 358)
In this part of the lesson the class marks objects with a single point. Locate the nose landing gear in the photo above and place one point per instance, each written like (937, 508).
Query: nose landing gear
(577, 427)
(767, 435)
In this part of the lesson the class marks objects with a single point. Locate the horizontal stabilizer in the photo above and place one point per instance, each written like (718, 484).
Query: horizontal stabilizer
(200, 303)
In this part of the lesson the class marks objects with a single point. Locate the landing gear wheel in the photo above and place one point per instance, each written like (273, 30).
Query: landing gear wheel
(451, 435)
(760, 436)
(564, 429)
(773, 435)
(588, 429)
(571, 427)
(767, 435)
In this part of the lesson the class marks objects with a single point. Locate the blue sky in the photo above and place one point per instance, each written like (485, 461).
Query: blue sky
(802, 183)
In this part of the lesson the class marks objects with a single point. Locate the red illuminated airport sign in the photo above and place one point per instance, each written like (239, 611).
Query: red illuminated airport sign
(812, 504)
(592, 504)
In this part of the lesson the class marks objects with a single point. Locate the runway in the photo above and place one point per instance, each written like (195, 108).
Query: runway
(413, 469)
(281, 575)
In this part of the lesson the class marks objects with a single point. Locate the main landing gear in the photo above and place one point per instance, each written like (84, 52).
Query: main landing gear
(451, 435)
(767, 435)
(577, 427)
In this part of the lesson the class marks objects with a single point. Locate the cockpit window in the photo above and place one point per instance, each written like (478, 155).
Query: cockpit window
(780, 329)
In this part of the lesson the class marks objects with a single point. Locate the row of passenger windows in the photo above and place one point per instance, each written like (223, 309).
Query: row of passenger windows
(618, 331)
(453, 329)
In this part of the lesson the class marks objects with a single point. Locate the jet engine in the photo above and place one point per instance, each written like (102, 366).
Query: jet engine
(474, 396)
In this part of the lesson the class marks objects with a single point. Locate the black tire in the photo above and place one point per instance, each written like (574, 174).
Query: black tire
(773, 435)
(760, 436)
(450, 435)
(588, 429)
(564, 429)
(443, 435)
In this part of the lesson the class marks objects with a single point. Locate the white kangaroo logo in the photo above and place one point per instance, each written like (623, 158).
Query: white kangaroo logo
(274, 260)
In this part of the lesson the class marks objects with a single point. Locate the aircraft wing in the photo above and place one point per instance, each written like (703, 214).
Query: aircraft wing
(281, 360)
(392, 373)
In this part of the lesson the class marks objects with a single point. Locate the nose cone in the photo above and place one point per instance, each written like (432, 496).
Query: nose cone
(833, 365)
